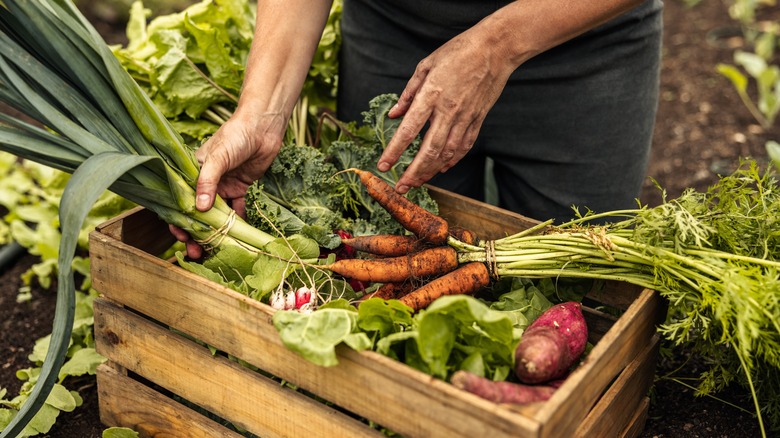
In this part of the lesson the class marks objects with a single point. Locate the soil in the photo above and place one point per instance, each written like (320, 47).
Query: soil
(702, 130)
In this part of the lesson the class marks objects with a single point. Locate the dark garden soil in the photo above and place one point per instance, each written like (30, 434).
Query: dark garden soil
(702, 130)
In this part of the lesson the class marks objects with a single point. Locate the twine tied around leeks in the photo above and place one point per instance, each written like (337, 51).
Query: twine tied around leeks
(216, 238)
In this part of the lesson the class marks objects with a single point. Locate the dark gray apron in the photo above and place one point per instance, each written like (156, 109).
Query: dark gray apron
(573, 127)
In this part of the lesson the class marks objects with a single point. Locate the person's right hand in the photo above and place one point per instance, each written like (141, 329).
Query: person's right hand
(237, 155)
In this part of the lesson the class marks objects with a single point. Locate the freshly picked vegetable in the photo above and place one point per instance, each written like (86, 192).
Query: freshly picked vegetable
(552, 344)
(502, 391)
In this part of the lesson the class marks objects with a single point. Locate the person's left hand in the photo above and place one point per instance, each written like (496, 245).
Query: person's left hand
(453, 88)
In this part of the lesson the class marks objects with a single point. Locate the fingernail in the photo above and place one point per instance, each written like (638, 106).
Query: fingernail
(402, 189)
(203, 202)
(383, 166)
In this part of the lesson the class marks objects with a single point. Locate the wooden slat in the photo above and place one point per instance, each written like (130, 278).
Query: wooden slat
(488, 221)
(222, 387)
(242, 327)
(125, 402)
(598, 323)
(145, 230)
(614, 411)
(619, 346)
(637, 425)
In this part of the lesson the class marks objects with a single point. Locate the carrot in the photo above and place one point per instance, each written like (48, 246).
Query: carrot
(501, 391)
(467, 279)
(389, 291)
(464, 235)
(431, 261)
(386, 245)
(421, 222)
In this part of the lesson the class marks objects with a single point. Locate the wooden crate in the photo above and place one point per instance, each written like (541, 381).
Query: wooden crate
(161, 382)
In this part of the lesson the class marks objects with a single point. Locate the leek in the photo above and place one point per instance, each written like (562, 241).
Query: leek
(101, 127)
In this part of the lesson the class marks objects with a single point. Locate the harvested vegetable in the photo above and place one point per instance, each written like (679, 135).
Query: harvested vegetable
(466, 279)
(542, 355)
(466, 236)
(425, 225)
(501, 391)
(431, 261)
(386, 245)
(568, 320)
(552, 344)
(389, 291)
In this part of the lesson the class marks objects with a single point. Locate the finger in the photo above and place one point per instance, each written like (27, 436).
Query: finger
(239, 205)
(194, 251)
(404, 135)
(178, 233)
(210, 174)
(466, 142)
(428, 161)
(410, 91)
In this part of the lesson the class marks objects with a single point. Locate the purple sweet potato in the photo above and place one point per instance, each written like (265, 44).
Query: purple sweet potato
(501, 391)
(567, 318)
(552, 344)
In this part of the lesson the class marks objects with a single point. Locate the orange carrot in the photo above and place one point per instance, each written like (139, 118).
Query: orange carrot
(424, 224)
(464, 235)
(431, 261)
(389, 291)
(386, 245)
(467, 279)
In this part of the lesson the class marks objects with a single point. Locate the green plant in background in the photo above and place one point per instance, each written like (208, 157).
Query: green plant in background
(744, 11)
(767, 80)
(756, 66)
(191, 63)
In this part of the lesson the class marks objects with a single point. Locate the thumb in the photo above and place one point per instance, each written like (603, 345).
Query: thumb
(206, 189)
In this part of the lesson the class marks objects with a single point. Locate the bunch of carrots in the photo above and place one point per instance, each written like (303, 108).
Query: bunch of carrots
(415, 269)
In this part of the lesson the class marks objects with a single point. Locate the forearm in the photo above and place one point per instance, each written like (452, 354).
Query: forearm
(286, 36)
(525, 28)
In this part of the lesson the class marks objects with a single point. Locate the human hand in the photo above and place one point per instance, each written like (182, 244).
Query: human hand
(236, 156)
(453, 89)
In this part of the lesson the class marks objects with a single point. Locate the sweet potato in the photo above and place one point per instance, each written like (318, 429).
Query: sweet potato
(552, 344)
(501, 391)
(568, 320)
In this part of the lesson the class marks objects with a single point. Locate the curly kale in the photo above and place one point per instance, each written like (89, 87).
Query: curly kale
(305, 191)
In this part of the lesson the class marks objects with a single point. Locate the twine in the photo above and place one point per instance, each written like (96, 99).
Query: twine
(216, 238)
(490, 258)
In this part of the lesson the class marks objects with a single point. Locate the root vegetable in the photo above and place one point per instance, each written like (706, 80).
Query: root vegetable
(389, 291)
(568, 320)
(501, 391)
(552, 344)
(466, 279)
(428, 262)
(386, 245)
(464, 235)
(424, 224)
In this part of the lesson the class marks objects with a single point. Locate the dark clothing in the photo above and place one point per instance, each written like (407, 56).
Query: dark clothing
(573, 126)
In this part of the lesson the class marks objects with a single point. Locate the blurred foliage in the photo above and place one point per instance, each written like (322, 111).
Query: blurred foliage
(117, 11)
